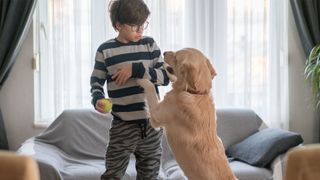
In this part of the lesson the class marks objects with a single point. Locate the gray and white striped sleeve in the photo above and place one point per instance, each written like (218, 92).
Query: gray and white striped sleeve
(157, 73)
(98, 78)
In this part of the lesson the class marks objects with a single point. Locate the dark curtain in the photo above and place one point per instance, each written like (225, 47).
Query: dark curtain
(15, 19)
(307, 17)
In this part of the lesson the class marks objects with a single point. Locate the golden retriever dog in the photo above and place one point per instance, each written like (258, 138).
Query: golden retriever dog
(187, 114)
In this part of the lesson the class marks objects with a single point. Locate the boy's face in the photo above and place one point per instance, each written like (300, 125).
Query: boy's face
(131, 32)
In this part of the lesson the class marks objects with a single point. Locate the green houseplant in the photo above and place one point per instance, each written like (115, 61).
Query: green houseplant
(312, 71)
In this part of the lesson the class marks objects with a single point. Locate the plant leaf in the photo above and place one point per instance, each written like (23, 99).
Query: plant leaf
(312, 71)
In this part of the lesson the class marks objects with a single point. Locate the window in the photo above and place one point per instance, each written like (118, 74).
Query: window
(241, 37)
(69, 33)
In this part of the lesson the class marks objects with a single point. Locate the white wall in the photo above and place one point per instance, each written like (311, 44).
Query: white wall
(16, 97)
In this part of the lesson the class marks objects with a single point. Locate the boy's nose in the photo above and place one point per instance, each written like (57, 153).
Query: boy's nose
(164, 53)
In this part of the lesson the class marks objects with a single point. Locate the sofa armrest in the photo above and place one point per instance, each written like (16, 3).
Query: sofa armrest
(278, 166)
(15, 166)
(48, 157)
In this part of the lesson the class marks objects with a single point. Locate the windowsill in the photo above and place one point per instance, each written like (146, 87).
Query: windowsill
(41, 125)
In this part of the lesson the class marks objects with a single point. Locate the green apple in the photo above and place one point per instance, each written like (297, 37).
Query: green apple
(107, 105)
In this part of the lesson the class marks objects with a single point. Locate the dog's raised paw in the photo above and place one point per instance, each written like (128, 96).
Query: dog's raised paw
(172, 78)
(144, 83)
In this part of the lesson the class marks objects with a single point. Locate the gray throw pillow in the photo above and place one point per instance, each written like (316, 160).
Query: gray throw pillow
(262, 147)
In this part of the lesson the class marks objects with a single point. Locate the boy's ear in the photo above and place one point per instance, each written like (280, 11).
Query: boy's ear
(118, 26)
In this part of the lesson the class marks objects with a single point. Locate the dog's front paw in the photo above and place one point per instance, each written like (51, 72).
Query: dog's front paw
(172, 78)
(155, 124)
(145, 83)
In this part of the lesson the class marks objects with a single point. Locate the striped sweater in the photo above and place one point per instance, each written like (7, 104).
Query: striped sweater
(128, 99)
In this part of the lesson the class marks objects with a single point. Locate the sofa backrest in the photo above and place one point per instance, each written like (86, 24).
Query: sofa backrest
(234, 125)
(81, 133)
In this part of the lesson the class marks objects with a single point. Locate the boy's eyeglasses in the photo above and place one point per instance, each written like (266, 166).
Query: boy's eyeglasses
(136, 28)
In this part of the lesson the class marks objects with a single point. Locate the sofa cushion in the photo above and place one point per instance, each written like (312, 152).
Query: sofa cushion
(234, 125)
(262, 147)
(244, 171)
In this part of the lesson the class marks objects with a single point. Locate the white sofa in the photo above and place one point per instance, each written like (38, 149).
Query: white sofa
(73, 147)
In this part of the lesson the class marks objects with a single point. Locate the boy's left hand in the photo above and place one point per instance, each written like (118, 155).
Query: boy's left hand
(122, 75)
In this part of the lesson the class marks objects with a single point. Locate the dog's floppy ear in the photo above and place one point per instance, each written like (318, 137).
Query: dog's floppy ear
(212, 70)
(195, 80)
(190, 76)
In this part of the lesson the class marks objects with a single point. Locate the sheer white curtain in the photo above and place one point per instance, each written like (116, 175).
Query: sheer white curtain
(254, 72)
(245, 39)
(69, 32)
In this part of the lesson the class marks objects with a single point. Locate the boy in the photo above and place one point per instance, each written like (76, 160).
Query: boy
(120, 61)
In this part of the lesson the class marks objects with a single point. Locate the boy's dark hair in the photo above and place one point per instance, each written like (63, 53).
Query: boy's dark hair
(133, 12)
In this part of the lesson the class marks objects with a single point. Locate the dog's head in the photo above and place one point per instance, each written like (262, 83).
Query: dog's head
(193, 70)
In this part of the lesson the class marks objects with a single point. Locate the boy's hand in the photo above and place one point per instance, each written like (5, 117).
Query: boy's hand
(122, 75)
(102, 107)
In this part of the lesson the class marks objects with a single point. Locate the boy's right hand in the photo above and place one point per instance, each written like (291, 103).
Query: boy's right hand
(122, 75)
(103, 105)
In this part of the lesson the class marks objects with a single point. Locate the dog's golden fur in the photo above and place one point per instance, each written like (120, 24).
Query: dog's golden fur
(187, 114)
